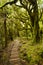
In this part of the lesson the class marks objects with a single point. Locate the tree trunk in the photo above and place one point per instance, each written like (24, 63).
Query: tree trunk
(35, 24)
(5, 29)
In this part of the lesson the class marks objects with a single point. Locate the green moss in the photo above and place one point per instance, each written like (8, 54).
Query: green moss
(32, 53)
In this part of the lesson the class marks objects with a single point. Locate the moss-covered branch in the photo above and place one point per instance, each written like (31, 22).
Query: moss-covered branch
(12, 2)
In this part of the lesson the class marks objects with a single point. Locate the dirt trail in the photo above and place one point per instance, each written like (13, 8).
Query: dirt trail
(14, 55)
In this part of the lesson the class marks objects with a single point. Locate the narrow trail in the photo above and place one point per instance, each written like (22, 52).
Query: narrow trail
(14, 55)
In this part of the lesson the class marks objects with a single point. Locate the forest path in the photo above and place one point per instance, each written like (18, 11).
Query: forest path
(14, 54)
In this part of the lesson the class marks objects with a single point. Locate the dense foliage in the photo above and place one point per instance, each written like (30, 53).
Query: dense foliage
(23, 19)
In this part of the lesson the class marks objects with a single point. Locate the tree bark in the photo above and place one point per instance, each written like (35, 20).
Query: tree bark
(36, 23)
(34, 17)
(5, 30)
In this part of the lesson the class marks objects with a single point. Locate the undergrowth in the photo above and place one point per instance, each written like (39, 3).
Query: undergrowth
(33, 54)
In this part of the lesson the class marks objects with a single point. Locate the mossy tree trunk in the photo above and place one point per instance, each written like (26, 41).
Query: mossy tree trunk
(5, 30)
(35, 24)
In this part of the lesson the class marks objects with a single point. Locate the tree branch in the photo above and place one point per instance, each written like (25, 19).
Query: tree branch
(12, 2)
